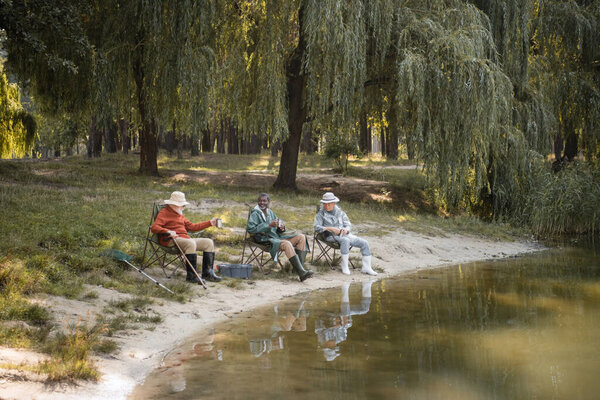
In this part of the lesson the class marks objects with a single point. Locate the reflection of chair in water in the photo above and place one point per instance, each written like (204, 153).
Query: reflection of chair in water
(333, 330)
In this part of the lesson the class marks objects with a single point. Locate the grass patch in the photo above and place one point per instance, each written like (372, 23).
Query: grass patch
(71, 352)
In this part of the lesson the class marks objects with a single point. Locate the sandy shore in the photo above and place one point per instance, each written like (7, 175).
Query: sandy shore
(143, 350)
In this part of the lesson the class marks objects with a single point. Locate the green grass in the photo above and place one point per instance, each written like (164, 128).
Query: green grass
(58, 216)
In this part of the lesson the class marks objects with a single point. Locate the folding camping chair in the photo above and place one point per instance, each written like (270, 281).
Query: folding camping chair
(326, 249)
(257, 249)
(155, 253)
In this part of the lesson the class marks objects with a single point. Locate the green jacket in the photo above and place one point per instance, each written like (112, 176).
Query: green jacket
(258, 227)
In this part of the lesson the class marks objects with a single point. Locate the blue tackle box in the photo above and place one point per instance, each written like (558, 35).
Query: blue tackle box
(241, 271)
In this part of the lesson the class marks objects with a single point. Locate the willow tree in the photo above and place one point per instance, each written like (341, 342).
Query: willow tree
(48, 51)
(17, 126)
(156, 50)
(287, 62)
(566, 41)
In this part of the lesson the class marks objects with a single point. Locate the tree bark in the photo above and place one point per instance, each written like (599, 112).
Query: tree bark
(392, 137)
(125, 139)
(364, 143)
(194, 144)
(571, 146)
(110, 131)
(148, 141)
(288, 167)
(383, 141)
(206, 144)
(94, 147)
(221, 138)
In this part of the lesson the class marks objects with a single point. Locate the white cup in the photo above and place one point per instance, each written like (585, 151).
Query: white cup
(280, 223)
(219, 223)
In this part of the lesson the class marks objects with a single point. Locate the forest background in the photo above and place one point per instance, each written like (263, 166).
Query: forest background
(497, 103)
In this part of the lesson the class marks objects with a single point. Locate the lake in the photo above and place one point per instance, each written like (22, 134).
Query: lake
(519, 328)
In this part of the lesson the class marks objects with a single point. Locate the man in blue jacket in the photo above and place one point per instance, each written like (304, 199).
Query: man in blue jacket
(335, 226)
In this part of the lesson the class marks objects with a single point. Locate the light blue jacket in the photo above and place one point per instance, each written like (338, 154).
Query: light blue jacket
(336, 219)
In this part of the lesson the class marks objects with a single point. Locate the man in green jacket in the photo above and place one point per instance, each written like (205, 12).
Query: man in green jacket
(265, 227)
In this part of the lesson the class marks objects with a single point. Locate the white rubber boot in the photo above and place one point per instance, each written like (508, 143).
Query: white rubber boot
(345, 296)
(366, 266)
(366, 289)
(345, 258)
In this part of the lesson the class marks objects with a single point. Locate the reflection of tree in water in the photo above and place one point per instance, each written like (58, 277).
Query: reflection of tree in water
(333, 329)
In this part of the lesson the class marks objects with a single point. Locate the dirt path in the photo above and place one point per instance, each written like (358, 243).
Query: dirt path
(348, 188)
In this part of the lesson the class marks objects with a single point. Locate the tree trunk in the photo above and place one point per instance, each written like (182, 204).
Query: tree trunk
(206, 144)
(364, 143)
(221, 138)
(410, 146)
(383, 146)
(232, 141)
(194, 144)
(254, 145)
(94, 147)
(571, 146)
(148, 142)
(110, 132)
(125, 139)
(392, 137)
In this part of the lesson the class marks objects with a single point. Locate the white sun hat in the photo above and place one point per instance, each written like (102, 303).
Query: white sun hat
(329, 198)
(177, 199)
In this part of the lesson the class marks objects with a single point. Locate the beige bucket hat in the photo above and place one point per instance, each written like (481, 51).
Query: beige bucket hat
(177, 199)
(329, 198)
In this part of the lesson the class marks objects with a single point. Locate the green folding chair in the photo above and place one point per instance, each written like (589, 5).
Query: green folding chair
(259, 252)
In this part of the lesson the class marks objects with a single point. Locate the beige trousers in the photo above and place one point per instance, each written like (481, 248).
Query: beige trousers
(287, 245)
(191, 246)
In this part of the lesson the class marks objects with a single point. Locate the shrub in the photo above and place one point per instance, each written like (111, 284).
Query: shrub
(566, 202)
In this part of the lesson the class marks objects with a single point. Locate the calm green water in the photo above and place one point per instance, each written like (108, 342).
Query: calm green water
(523, 328)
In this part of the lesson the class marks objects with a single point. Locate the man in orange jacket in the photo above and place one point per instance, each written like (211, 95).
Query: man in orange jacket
(171, 225)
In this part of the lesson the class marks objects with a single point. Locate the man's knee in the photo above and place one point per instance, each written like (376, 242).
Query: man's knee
(285, 245)
(187, 246)
(205, 244)
(344, 241)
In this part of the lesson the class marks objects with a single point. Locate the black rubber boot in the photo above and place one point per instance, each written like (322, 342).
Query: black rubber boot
(207, 267)
(301, 255)
(190, 275)
(299, 269)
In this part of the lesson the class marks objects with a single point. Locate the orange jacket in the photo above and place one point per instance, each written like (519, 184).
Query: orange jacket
(169, 220)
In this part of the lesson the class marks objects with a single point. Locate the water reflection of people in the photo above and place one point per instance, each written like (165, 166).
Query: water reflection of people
(202, 348)
(333, 330)
(283, 321)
